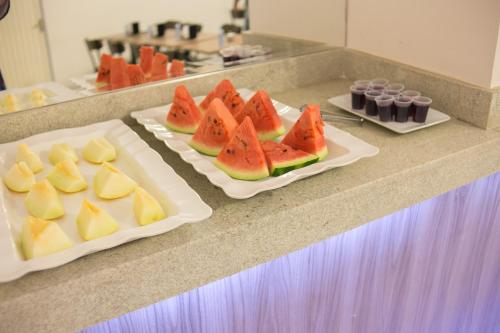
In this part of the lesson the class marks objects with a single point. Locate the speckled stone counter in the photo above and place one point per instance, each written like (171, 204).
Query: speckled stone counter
(244, 233)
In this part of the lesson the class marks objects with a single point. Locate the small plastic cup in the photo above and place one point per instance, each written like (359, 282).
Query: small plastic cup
(395, 86)
(393, 93)
(371, 105)
(358, 96)
(384, 104)
(412, 94)
(362, 82)
(379, 81)
(403, 104)
(422, 104)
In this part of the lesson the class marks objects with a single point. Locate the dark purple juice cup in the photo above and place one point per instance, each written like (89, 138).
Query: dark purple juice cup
(422, 104)
(393, 93)
(402, 104)
(379, 81)
(395, 86)
(384, 104)
(370, 105)
(412, 94)
(358, 96)
(362, 82)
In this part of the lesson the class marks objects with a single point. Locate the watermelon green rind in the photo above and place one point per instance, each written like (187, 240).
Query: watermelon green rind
(185, 129)
(322, 153)
(271, 134)
(294, 164)
(242, 175)
(204, 149)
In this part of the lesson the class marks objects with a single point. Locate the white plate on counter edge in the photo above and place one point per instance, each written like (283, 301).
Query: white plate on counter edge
(134, 157)
(343, 148)
(434, 116)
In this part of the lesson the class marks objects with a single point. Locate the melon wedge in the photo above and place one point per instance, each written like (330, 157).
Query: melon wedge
(242, 157)
(66, 177)
(112, 183)
(11, 103)
(266, 120)
(146, 208)
(135, 74)
(40, 237)
(99, 150)
(93, 222)
(24, 154)
(177, 68)
(60, 152)
(215, 129)
(19, 178)
(104, 74)
(229, 96)
(282, 158)
(307, 133)
(184, 115)
(159, 67)
(119, 73)
(43, 201)
(146, 54)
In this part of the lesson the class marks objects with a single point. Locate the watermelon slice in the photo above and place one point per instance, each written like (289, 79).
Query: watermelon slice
(135, 74)
(242, 157)
(308, 134)
(228, 94)
(184, 115)
(282, 158)
(159, 69)
(261, 110)
(146, 59)
(119, 74)
(103, 75)
(177, 68)
(215, 130)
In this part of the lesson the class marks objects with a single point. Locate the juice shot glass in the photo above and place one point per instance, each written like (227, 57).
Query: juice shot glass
(362, 82)
(358, 96)
(379, 81)
(395, 86)
(370, 105)
(384, 104)
(393, 93)
(422, 104)
(412, 94)
(403, 104)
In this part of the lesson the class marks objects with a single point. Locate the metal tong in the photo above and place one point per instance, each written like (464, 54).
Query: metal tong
(334, 117)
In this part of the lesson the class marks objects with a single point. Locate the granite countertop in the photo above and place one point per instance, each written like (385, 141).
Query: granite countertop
(245, 233)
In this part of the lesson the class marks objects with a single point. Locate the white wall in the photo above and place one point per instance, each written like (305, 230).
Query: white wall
(316, 20)
(457, 38)
(495, 80)
(68, 22)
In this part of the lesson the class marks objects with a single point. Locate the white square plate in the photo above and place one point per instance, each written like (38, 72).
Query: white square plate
(343, 149)
(434, 117)
(134, 157)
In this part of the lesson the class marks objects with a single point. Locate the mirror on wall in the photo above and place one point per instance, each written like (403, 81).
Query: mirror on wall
(57, 50)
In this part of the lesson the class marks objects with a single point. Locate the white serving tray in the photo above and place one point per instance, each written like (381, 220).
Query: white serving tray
(343, 149)
(135, 158)
(434, 116)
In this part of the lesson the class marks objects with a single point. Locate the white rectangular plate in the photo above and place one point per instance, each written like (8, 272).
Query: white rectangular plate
(134, 157)
(343, 149)
(434, 117)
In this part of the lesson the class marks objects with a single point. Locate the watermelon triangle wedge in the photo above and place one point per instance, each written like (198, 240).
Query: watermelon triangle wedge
(159, 67)
(104, 73)
(177, 68)
(215, 129)
(228, 94)
(266, 120)
(135, 74)
(282, 158)
(242, 157)
(119, 73)
(307, 133)
(184, 115)
(146, 54)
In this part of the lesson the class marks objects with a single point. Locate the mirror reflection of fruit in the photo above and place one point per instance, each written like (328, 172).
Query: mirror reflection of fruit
(60, 152)
(43, 201)
(146, 208)
(11, 103)
(38, 98)
(19, 178)
(25, 154)
(99, 150)
(66, 177)
(93, 222)
(41, 237)
(112, 183)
